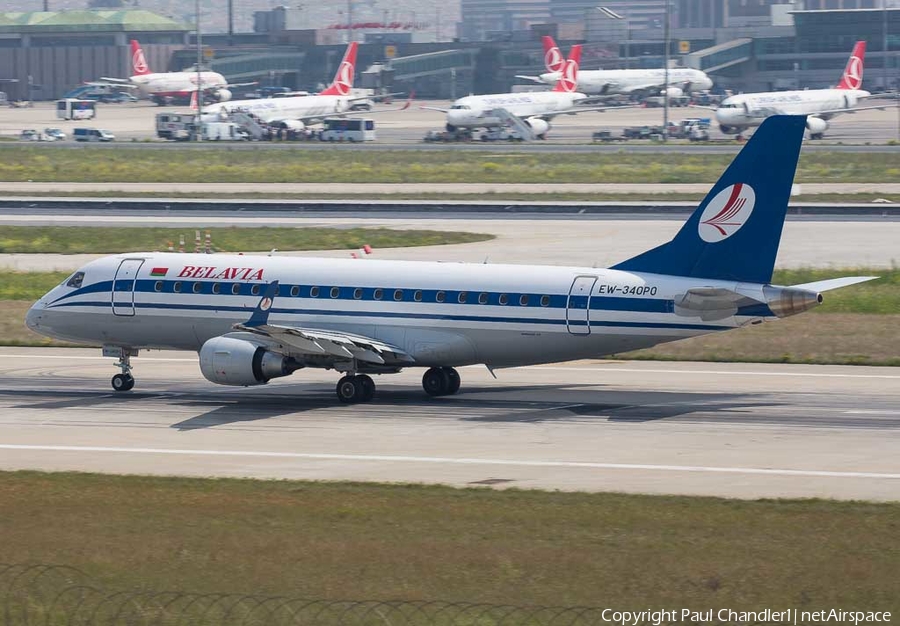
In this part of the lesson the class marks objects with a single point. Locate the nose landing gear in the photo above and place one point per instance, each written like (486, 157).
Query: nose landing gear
(123, 381)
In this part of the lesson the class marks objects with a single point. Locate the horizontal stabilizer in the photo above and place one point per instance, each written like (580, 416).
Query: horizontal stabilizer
(834, 283)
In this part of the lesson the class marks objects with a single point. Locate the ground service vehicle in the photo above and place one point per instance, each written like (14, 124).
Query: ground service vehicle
(344, 129)
(76, 109)
(93, 134)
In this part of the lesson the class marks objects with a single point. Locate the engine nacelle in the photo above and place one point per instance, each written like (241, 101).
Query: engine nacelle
(538, 126)
(727, 130)
(816, 126)
(223, 95)
(295, 125)
(787, 301)
(233, 361)
(674, 92)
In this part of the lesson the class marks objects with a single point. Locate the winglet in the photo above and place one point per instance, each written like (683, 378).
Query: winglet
(260, 315)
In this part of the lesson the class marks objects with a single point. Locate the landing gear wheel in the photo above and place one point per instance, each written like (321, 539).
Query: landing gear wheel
(454, 380)
(368, 386)
(122, 382)
(436, 382)
(349, 390)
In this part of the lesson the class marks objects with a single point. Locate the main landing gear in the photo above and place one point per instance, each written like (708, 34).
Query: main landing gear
(441, 381)
(353, 389)
(123, 381)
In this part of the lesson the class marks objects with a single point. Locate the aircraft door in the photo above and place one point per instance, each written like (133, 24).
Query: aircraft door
(123, 286)
(578, 305)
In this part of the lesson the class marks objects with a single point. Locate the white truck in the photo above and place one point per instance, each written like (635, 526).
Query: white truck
(223, 131)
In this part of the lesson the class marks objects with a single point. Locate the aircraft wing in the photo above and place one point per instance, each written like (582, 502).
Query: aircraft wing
(854, 109)
(323, 346)
(582, 109)
(434, 109)
(112, 82)
(534, 79)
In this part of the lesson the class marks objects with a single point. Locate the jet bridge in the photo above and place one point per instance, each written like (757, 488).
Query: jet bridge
(721, 56)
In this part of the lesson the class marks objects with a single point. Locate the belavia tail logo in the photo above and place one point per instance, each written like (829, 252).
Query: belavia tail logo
(726, 213)
(266, 304)
(139, 62)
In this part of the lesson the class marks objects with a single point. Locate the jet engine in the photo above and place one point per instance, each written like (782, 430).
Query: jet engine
(223, 95)
(816, 127)
(232, 361)
(295, 125)
(787, 301)
(538, 126)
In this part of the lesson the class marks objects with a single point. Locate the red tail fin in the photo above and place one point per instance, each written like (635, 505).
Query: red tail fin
(138, 62)
(568, 80)
(853, 73)
(195, 106)
(553, 58)
(343, 79)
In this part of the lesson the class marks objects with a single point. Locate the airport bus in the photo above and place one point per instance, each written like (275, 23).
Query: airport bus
(75, 109)
(347, 129)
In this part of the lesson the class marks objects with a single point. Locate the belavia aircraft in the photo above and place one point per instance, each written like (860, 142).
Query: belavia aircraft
(255, 318)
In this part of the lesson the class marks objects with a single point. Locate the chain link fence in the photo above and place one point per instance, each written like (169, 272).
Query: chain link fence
(52, 595)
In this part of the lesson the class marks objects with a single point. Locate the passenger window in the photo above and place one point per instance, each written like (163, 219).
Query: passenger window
(482, 298)
(398, 295)
(545, 300)
(523, 300)
(76, 280)
(462, 297)
(335, 292)
(379, 294)
(216, 288)
(357, 293)
(417, 296)
(295, 291)
(440, 296)
(254, 290)
(313, 292)
(158, 285)
(198, 287)
(176, 287)
(236, 288)
(504, 299)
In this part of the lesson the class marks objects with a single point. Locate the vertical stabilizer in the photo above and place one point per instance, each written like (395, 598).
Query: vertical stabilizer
(139, 65)
(853, 74)
(343, 78)
(735, 232)
(568, 79)
(553, 58)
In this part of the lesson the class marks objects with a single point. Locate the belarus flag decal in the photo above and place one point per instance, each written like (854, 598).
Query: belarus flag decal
(159, 271)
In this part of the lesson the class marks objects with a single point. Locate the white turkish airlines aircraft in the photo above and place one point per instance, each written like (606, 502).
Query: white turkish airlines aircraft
(163, 87)
(535, 109)
(738, 113)
(296, 112)
(623, 82)
(255, 318)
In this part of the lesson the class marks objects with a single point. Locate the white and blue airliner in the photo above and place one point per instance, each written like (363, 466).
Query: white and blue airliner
(255, 318)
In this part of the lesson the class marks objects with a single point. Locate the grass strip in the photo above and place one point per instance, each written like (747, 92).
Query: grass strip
(489, 196)
(221, 164)
(345, 540)
(101, 240)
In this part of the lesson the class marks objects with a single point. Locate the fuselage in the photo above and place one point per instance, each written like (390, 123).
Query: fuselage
(176, 84)
(445, 314)
(473, 111)
(747, 110)
(628, 81)
(290, 108)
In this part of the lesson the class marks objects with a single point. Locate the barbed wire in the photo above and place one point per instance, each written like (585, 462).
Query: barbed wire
(37, 594)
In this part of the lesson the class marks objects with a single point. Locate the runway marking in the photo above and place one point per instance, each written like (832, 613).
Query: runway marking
(457, 461)
(634, 370)
(76, 357)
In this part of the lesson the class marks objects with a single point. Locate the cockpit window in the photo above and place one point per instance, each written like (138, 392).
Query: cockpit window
(75, 280)
(461, 106)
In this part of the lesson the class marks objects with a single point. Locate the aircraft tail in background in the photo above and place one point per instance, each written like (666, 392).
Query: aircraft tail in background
(852, 77)
(343, 78)
(139, 65)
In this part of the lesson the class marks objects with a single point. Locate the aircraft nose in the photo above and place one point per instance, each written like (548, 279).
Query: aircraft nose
(34, 316)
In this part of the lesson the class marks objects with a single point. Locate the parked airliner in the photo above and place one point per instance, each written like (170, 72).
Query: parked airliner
(534, 109)
(296, 112)
(738, 113)
(256, 318)
(638, 82)
(164, 87)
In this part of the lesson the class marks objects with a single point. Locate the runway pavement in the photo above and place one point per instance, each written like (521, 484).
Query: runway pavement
(806, 241)
(735, 430)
